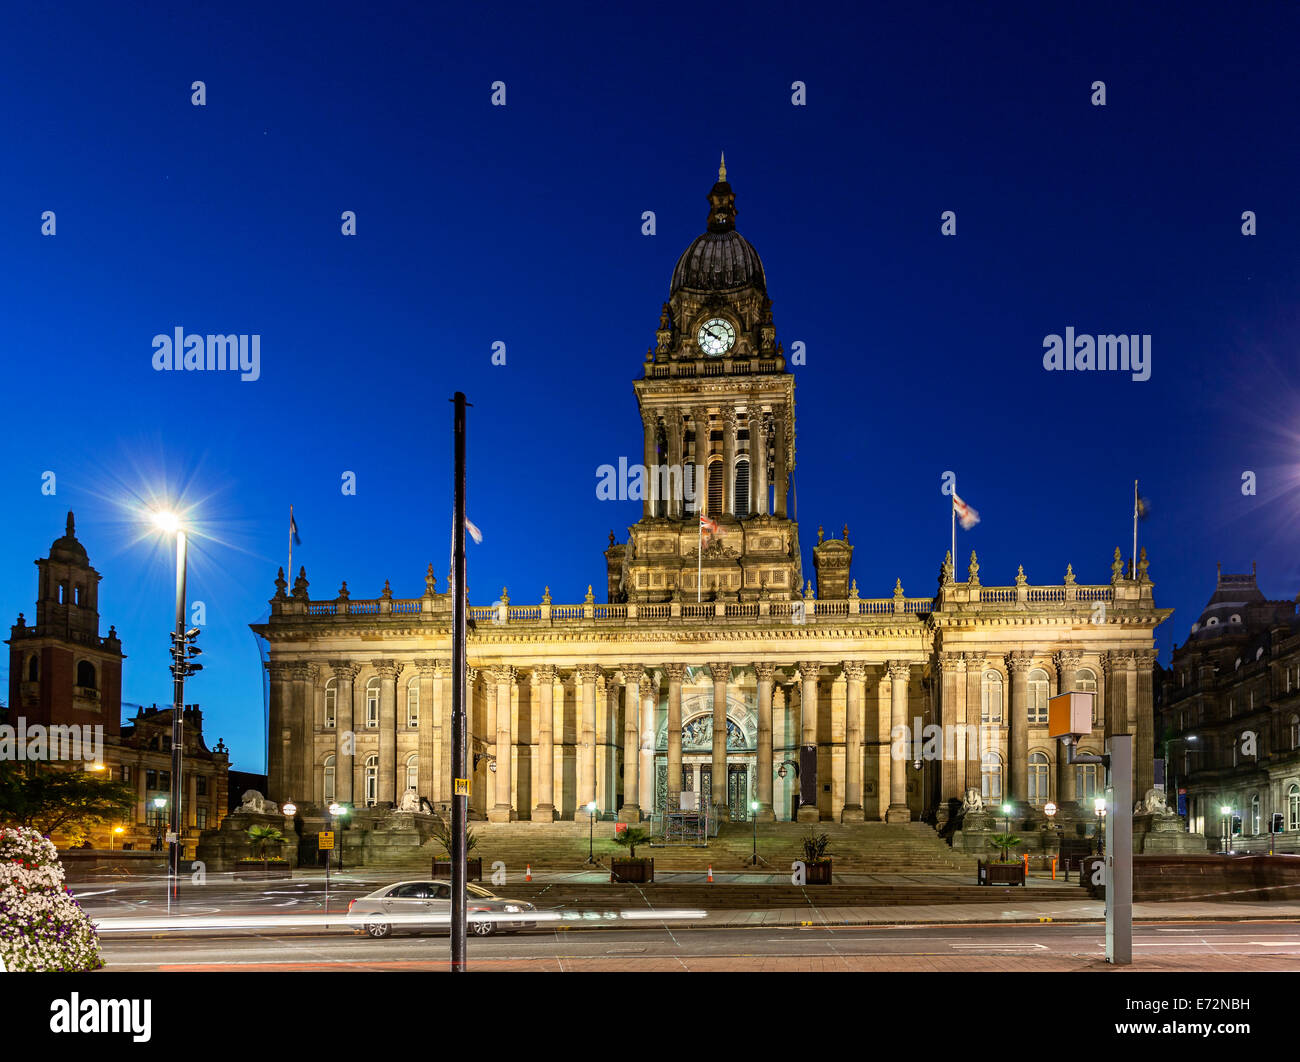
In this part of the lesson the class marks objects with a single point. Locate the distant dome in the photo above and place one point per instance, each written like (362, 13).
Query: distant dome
(68, 549)
(720, 259)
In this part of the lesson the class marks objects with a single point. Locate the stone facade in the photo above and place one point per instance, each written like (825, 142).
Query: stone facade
(1230, 714)
(715, 670)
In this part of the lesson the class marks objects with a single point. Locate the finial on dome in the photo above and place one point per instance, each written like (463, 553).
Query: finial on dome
(722, 168)
(72, 525)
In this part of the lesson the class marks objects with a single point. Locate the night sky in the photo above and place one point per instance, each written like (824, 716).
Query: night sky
(521, 224)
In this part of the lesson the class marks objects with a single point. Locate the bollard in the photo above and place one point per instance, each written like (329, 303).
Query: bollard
(1053, 868)
(528, 872)
(710, 873)
(1026, 866)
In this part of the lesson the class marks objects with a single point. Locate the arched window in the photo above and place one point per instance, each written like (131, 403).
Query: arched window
(372, 781)
(1038, 778)
(1293, 808)
(33, 668)
(86, 675)
(991, 778)
(991, 698)
(331, 703)
(1254, 814)
(717, 476)
(63, 594)
(413, 771)
(328, 789)
(1038, 696)
(1085, 681)
(742, 487)
(78, 596)
(1085, 784)
(413, 701)
(372, 702)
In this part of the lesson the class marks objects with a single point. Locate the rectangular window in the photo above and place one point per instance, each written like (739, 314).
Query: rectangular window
(201, 786)
(151, 779)
(126, 773)
(201, 817)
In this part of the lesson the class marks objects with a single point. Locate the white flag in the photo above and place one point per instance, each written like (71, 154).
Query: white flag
(474, 532)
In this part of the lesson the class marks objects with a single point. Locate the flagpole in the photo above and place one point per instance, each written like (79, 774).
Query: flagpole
(291, 541)
(699, 554)
(1135, 527)
(953, 507)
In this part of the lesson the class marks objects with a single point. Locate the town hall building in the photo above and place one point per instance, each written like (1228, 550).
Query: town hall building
(726, 679)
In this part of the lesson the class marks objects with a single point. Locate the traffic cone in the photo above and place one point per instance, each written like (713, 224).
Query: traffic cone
(710, 873)
(528, 874)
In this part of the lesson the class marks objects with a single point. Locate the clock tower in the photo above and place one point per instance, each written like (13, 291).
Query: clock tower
(717, 415)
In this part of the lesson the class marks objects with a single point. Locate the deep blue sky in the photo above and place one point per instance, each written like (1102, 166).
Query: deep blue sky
(522, 224)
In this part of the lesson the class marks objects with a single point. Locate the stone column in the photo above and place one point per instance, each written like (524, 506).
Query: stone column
(721, 675)
(1018, 663)
(1115, 666)
(301, 738)
(952, 722)
(490, 724)
(345, 739)
(388, 671)
(900, 672)
(675, 672)
(192, 800)
(758, 459)
(766, 673)
(855, 675)
(504, 678)
(277, 767)
(544, 784)
(974, 663)
(700, 422)
(675, 429)
(729, 462)
(590, 674)
(1067, 665)
(426, 758)
(782, 461)
(633, 676)
(1144, 739)
(443, 684)
(650, 424)
(141, 808)
(808, 786)
(646, 770)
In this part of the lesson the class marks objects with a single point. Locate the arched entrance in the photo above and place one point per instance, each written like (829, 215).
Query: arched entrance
(697, 756)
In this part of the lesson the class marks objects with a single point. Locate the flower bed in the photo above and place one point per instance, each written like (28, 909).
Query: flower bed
(42, 928)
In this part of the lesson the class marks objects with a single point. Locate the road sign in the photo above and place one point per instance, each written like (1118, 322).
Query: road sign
(325, 840)
(620, 827)
(462, 787)
(171, 837)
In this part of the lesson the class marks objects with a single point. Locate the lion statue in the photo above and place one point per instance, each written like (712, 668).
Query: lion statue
(1154, 803)
(253, 803)
(974, 801)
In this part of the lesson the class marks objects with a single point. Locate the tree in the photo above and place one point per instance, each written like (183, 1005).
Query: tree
(261, 836)
(441, 830)
(630, 838)
(48, 799)
(1003, 842)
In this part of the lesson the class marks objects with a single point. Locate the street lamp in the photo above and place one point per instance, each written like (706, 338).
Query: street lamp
(290, 810)
(116, 830)
(1006, 818)
(753, 817)
(1226, 811)
(591, 833)
(1050, 809)
(182, 652)
(338, 811)
(159, 803)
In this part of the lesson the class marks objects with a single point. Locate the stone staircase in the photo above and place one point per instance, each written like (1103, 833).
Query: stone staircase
(859, 848)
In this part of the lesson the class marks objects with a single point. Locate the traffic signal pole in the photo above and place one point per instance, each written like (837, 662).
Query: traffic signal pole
(460, 786)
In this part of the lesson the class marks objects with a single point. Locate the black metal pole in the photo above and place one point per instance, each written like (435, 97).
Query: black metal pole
(178, 726)
(459, 798)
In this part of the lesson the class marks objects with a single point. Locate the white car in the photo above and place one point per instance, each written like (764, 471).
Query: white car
(418, 906)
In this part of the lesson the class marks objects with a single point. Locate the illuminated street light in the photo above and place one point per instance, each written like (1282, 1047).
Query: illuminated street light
(290, 810)
(591, 833)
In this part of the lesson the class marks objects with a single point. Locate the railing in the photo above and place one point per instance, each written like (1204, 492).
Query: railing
(611, 611)
(994, 594)
(1095, 593)
(1046, 593)
(654, 611)
(918, 605)
(566, 612)
(321, 608)
(701, 610)
(750, 610)
(407, 607)
(524, 612)
(872, 605)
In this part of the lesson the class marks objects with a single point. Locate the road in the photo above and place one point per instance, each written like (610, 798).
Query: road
(1200, 946)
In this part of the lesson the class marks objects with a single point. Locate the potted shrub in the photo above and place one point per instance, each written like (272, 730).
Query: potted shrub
(442, 867)
(817, 865)
(262, 865)
(631, 869)
(1002, 872)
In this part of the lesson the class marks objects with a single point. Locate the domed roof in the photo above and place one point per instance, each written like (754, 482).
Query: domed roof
(720, 259)
(68, 549)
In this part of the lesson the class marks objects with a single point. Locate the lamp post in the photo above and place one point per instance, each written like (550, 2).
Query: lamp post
(159, 803)
(1225, 811)
(116, 830)
(182, 653)
(753, 818)
(337, 811)
(591, 833)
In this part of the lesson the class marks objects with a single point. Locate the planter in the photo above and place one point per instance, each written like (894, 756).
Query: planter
(256, 872)
(473, 869)
(818, 873)
(632, 871)
(1001, 873)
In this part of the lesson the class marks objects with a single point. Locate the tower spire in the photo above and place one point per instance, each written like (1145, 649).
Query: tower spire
(722, 168)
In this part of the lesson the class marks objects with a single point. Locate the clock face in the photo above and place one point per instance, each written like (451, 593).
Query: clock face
(716, 337)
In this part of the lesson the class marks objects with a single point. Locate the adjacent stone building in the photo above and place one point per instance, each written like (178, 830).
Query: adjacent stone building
(64, 673)
(1230, 709)
(718, 671)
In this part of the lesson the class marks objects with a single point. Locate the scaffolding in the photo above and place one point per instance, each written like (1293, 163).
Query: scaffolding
(688, 825)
